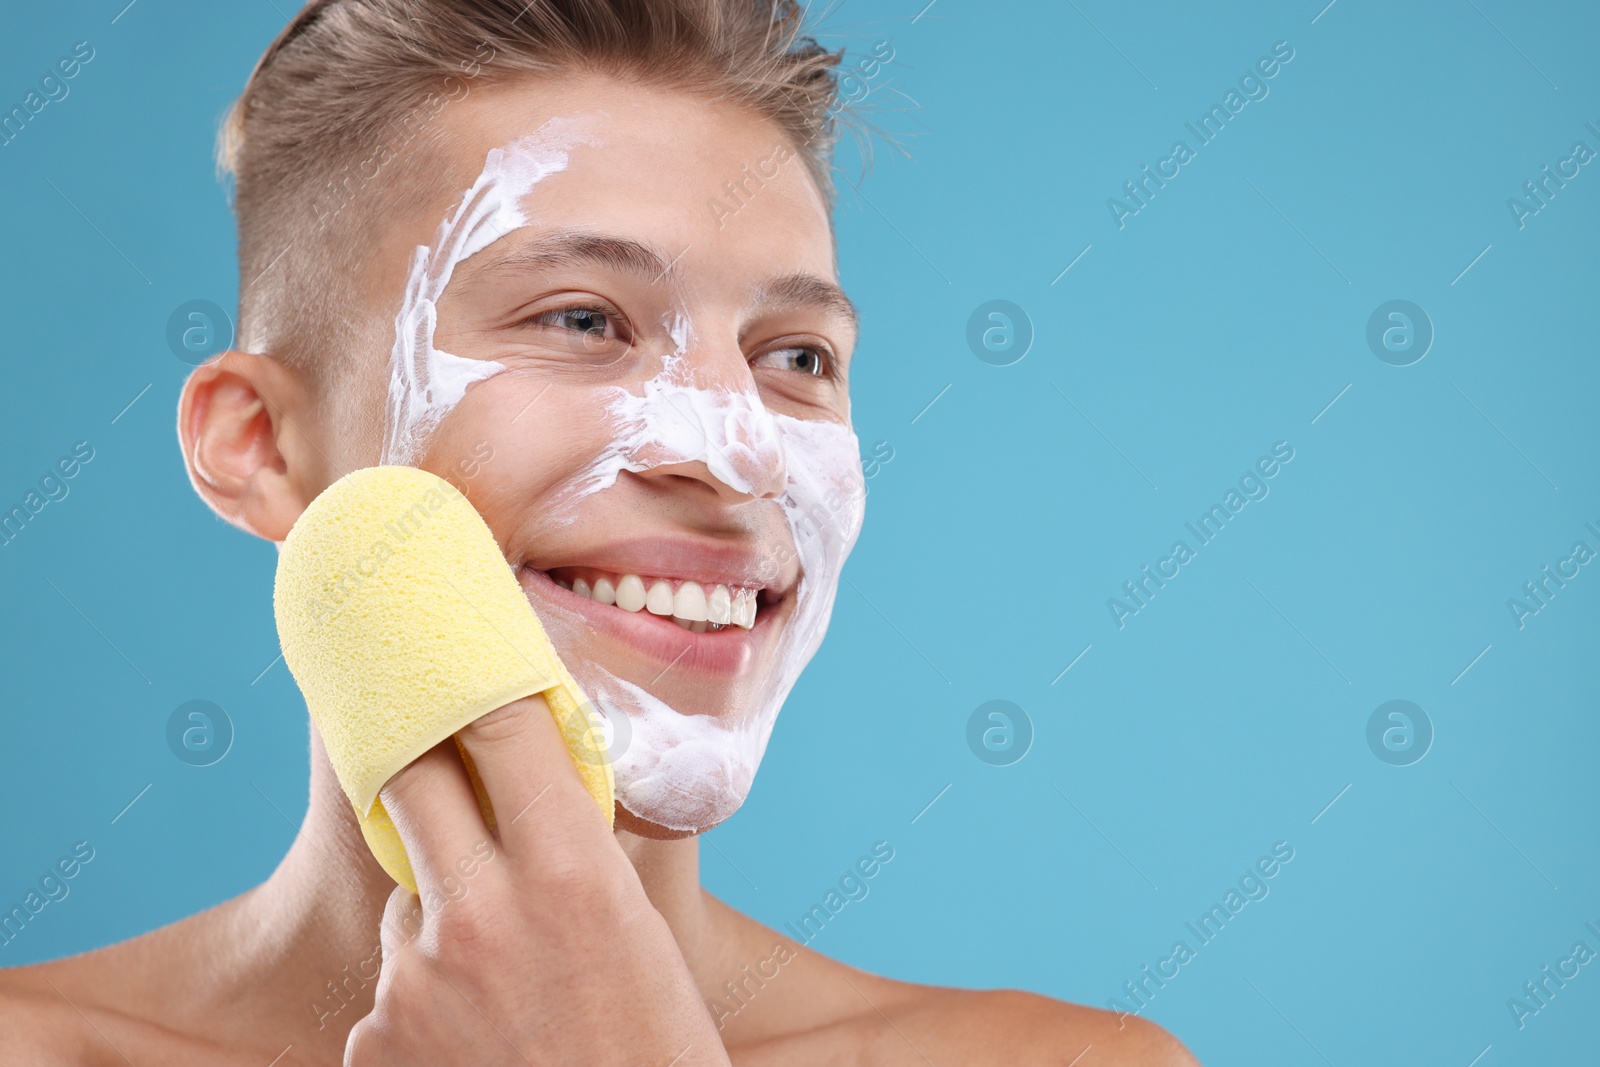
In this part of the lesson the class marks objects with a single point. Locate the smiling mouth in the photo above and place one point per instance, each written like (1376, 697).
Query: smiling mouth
(696, 607)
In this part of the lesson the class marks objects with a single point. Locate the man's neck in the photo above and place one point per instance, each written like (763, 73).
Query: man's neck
(303, 945)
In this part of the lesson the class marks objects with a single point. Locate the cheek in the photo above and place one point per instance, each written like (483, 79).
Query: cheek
(515, 441)
(827, 494)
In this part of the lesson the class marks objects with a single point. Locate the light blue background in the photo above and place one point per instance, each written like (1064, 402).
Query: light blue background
(1223, 718)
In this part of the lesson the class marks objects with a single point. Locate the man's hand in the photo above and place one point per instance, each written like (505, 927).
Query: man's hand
(534, 944)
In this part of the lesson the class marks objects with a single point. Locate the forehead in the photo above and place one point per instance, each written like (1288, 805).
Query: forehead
(711, 185)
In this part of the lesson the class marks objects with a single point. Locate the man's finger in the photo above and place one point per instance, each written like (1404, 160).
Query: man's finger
(436, 812)
(402, 922)
(522, 759)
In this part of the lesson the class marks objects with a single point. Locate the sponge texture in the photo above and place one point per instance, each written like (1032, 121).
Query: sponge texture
(402, 623)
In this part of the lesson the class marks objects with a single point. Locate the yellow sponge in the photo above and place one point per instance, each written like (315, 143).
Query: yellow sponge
(402, 623)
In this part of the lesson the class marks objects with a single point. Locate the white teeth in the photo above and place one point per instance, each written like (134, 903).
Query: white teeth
(695, 607)
(690, 602)
(719, 605)
(659, 600)
(744, 608)
(630, 593)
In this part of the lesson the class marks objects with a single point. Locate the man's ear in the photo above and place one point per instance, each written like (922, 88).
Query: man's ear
(242, 423)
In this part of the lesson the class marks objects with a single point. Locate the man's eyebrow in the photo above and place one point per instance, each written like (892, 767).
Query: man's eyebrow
(574, 250)
(802, 290)
(554, 251)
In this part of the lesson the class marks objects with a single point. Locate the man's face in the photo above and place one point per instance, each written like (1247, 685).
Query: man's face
(620, 335)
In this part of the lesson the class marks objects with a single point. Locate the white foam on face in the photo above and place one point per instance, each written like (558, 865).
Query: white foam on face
(679, 769)
(674, 421)
(425, 384)
(689, 771)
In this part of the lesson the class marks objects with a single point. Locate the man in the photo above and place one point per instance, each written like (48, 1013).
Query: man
(576, 257)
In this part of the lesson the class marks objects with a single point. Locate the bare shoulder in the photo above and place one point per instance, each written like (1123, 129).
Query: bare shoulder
(806, 1008)
(40, 1026)
(1020, 1029)
(67, 1013)
(833, 1013)
(896, 1023)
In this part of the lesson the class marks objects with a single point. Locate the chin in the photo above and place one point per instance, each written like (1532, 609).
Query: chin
(633, 824)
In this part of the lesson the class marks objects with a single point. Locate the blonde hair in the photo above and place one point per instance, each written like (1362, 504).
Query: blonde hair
(350, 88)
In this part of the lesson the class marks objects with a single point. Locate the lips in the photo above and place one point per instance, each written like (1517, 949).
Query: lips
(696, 607)
(712, 616)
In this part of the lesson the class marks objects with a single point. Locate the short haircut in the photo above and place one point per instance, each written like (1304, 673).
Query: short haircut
(352, 89)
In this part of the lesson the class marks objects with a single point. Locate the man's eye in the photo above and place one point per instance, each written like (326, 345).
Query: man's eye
(585, 320)
(801, 359)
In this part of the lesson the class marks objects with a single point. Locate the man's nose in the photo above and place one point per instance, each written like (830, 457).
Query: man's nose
(729, 441)
(732, 441)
